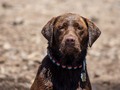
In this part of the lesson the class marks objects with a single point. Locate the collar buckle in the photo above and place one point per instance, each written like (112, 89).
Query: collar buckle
(83, 73)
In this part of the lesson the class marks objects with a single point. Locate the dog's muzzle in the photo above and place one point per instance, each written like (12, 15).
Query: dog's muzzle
(70, 45)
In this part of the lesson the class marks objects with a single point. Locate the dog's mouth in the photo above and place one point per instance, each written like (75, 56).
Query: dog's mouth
(72, 52)
(70, 49)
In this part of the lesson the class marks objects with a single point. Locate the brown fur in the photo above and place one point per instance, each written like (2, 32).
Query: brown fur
(68, 37)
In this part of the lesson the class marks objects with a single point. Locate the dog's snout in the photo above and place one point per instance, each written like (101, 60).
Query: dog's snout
(70, 41)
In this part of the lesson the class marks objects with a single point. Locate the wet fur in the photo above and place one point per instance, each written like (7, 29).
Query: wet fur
(52, 77)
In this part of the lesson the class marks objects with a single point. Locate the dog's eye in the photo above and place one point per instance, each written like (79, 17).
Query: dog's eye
(80, 27)
(60, 29)
(63, 26)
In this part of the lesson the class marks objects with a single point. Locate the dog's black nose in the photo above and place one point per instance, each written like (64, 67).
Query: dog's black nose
(70, 41)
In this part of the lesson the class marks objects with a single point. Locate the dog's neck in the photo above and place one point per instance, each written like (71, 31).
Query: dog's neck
(69, 61)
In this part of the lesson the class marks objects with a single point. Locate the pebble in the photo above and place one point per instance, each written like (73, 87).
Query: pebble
(7, 46)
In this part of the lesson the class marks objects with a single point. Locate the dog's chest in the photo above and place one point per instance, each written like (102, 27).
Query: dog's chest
(63, 79)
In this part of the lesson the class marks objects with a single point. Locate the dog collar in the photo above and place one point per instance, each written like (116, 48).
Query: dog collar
(59, 64)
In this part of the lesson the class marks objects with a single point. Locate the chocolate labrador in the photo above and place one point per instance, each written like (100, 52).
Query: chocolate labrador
(64, 66)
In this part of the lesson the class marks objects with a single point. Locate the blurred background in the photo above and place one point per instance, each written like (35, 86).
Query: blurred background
(22, 46)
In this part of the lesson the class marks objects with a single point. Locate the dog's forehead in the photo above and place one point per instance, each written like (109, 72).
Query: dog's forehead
(70, 18)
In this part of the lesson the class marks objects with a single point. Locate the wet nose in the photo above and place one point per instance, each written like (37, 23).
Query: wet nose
(70, 41)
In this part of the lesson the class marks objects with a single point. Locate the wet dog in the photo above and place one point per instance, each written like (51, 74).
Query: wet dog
(64, 66)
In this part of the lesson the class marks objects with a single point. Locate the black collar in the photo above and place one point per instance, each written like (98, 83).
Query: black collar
(65, 66)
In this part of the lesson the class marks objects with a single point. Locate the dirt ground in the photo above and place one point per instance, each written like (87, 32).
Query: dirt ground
(22, 46)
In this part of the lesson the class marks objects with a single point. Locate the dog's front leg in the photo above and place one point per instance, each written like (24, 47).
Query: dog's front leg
(42, 81)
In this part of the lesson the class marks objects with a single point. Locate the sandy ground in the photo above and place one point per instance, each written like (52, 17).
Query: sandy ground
(22, 46)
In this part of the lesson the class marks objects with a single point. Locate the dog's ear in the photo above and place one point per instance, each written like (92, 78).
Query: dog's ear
(47, 30)
(93, 31)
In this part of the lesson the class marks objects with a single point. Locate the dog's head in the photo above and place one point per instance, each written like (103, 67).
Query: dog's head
(70, 33)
